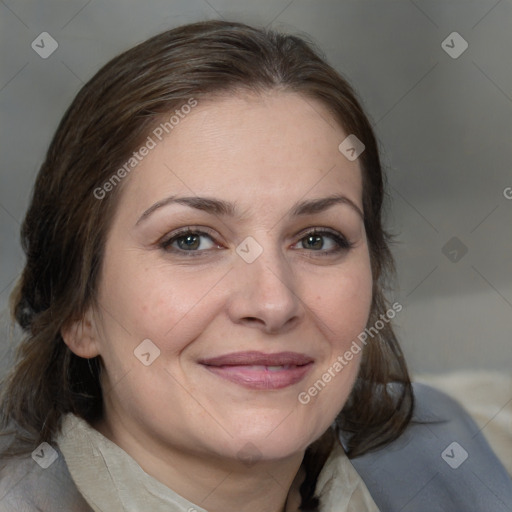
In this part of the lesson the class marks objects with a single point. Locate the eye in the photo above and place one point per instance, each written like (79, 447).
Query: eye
(189, 240)
(323, 240)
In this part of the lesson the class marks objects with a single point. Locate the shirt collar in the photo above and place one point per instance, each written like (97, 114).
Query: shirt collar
(111, 480)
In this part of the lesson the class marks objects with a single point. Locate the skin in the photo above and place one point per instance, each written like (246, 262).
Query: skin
(184, 425)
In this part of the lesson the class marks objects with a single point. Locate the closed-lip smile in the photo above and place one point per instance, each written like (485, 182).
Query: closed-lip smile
(259, 370)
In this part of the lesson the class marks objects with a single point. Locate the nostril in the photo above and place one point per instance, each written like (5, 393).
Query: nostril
(252, 320)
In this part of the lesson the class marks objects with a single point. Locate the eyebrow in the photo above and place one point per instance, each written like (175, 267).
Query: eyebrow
(225, 208)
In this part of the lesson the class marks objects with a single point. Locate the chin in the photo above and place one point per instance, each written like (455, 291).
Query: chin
(271, 441)
(251, 451)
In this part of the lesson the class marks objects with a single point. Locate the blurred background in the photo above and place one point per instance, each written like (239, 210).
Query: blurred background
(436, 80)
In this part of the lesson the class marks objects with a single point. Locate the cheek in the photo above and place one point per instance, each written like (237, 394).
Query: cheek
(167, 305)
(344, 305)
(342, 310)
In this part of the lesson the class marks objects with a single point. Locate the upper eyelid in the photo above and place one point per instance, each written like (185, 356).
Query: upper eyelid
(319, 229)
(188, 230)
(209, 231)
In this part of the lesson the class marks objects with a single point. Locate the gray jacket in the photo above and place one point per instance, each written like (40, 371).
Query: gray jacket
(441, 463)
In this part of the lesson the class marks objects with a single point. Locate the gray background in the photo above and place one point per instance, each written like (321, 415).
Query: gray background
(444, 125)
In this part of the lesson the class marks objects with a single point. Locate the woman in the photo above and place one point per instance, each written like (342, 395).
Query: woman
(203, 300)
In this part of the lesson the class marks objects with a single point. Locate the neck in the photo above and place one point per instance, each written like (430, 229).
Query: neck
(215, 484)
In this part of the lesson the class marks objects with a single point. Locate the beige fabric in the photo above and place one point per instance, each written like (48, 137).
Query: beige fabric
(111, 481)
(340, 487)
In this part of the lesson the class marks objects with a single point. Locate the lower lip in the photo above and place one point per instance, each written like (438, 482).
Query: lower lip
(256, 378)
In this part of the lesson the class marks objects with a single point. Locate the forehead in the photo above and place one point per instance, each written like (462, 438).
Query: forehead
(267, 149)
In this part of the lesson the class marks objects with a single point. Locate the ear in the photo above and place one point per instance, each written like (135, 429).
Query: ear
(81, 336)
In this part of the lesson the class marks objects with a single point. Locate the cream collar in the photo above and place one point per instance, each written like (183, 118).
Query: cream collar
(111, 481)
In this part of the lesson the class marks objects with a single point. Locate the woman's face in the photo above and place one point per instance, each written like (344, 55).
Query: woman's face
(238, 249)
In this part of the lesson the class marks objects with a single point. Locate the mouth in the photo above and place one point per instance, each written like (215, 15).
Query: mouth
(257, 370)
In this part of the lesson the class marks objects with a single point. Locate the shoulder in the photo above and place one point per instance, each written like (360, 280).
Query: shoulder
(29, 486)
(441, 462)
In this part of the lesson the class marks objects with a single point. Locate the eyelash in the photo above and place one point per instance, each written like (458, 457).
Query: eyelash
(342, 243)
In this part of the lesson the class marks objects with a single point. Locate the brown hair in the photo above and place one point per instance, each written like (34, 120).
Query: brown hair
(64, 231)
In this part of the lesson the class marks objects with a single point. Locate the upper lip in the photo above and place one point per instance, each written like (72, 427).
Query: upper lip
(254, 358)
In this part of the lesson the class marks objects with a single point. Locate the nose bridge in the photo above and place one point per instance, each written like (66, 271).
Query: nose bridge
(266, 283)
(270, 272)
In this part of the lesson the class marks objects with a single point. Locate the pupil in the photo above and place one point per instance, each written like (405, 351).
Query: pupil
(189, 242)
(314, 241)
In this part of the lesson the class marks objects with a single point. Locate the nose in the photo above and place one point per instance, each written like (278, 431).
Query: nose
(265, 294)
